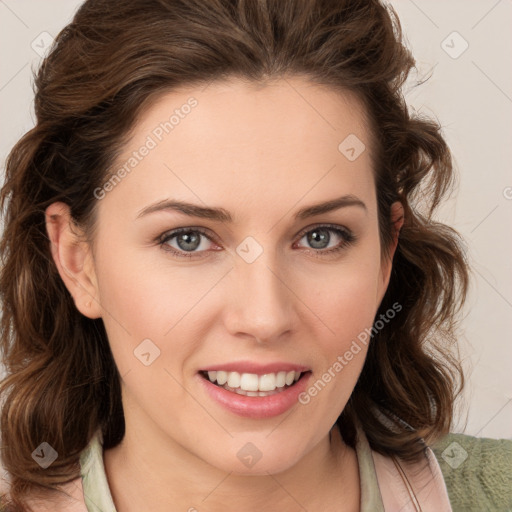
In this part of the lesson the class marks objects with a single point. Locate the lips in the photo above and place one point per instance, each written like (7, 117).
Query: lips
(253, 390)
(252, 378)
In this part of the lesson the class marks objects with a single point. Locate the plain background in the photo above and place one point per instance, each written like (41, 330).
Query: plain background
(466, 46)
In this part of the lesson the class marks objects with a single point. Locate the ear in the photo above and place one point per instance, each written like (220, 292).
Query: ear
(74, 260)
(397, 221)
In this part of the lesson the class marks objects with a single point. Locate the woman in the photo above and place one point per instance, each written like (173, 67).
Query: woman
(219, 292)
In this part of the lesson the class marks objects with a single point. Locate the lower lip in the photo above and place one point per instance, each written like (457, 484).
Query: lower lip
(256, 406)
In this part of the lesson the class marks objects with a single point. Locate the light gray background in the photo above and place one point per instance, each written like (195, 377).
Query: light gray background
(469, 92)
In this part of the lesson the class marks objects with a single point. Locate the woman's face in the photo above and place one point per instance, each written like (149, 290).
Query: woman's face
(260, 284)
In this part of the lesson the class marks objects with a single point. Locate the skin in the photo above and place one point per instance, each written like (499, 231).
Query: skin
(261, 153)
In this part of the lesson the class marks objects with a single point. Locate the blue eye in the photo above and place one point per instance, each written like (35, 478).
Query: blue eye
(190, 242)
(187, 239)
(320, 237)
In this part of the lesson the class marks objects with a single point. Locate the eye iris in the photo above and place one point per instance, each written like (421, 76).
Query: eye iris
(188, 241)
(319, 238)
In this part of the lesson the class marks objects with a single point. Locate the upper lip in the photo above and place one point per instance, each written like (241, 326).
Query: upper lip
(257, 368)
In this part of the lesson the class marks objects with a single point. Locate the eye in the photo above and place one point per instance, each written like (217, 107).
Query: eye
(322, 241)
(187, 242)
(190, 242)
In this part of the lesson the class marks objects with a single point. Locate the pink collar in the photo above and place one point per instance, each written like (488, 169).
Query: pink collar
(410, 487)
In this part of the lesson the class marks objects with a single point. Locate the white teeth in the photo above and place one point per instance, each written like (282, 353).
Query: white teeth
(249, 382)
(281, 380)
(267, 382)
(253, 384)
(222, 378)
(233, 379)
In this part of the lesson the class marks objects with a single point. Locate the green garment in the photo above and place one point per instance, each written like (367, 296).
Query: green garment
(479, 478)
(477, 473)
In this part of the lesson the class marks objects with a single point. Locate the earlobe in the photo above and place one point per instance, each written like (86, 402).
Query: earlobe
(73, 259)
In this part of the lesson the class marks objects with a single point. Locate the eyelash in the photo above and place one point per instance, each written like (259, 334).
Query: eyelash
(348, 239)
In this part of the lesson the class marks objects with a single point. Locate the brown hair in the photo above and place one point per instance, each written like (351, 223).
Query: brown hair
(62, 383)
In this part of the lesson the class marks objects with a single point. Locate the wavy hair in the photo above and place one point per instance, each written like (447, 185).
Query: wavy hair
(61, 382)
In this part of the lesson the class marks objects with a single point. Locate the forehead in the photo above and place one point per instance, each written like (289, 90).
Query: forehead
(280, 112)
(235, 139)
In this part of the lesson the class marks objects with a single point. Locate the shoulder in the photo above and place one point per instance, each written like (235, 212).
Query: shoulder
(477, 471)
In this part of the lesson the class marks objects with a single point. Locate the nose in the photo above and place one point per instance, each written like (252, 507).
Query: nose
(261, 304)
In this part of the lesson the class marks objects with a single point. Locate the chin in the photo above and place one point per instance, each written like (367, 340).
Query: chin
(258, 458)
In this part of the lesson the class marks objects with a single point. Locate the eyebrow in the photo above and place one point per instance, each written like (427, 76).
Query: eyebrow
(222, 215)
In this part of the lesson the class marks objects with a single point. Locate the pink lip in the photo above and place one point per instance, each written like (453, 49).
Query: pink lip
(258, 369)
(256, 407)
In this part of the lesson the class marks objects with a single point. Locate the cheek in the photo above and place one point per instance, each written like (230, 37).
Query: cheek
(347, 310)
(349, 313)
(346, 304)
(141, 288)
(345, 299)
(144, 302)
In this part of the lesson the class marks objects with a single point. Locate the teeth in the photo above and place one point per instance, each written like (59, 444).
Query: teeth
(222, 378)
(281, 379)
(234, 380)
(267, 382)
(249, 382)
(290, 377)
(254, 384)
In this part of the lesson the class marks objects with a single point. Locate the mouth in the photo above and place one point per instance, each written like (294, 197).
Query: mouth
(252, 384)
(253, 390)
